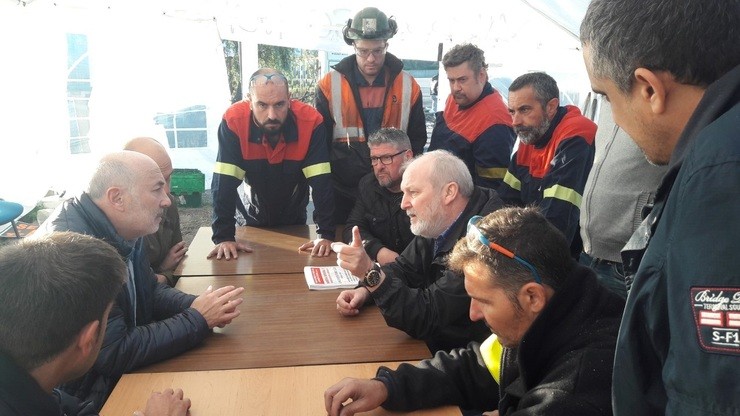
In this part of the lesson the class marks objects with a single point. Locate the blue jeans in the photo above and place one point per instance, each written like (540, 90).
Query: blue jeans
(609, 273)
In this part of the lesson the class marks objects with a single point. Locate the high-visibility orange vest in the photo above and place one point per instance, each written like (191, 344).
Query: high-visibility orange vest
(348, 122)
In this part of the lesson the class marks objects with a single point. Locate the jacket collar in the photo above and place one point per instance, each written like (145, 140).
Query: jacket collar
(22, 393)
(482, 202)
(718, 98)
(551, 335)
(487, 90)
(102, 226)
(545, 139)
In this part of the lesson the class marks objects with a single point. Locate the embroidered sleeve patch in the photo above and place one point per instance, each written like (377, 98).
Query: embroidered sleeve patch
(717, 318)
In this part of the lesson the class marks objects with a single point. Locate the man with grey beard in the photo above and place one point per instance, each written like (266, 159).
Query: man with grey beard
(417, 293)
(556, 150)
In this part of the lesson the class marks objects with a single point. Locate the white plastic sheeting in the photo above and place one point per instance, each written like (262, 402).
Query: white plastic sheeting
(149, 56)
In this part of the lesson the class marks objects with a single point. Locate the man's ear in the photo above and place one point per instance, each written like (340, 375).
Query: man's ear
(449, 192)
(552, 107)
(87, 339)
(115, 197)
(533, 297)
(651, 88)
(482, 75)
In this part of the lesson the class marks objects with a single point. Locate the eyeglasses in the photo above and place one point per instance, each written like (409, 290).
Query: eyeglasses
(473, 231)
(364, 53)
(264, 79)
(386, 160)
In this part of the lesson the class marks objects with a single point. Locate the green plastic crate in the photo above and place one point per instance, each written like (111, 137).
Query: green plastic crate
(188, 186)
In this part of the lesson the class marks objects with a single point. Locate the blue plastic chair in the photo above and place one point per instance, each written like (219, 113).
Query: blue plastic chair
(9, 212)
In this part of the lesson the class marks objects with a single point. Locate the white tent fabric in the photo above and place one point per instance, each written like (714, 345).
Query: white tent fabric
(149, 56)
(140, 65)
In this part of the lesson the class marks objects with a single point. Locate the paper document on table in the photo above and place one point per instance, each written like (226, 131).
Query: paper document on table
(329, 277)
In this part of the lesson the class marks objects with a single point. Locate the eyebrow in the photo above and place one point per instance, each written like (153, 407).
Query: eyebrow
(520, 108)
(260, 102)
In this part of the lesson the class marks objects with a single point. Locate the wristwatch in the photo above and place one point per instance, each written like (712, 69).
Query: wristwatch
(372, 276)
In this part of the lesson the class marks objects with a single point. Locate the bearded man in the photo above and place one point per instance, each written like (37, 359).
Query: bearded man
(555, 153)
(418, 293)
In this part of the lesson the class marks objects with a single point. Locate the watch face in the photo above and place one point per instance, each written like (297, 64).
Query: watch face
(372, 278)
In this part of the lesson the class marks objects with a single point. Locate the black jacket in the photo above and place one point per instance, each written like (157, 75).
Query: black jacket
(21, 395)
(165, 324)
(563, 365)
(679, 345)
(380, 218)
(421, 297)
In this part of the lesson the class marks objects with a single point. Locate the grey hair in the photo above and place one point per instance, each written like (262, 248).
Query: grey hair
(111, 171)
(695, 40)
(466, 52)
(390, 135)
(449, 168)
(545, 87)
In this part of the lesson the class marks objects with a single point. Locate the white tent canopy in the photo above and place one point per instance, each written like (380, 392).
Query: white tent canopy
(154, 56)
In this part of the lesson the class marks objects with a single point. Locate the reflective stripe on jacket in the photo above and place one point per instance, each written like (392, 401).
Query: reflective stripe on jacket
(348, 125)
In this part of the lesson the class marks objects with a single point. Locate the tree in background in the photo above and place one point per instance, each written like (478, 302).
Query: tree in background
(233, 56)
(300, 66)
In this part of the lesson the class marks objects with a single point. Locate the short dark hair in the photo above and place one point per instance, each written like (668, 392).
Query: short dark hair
(390, 135)
(466, 52)
(545, 87)
(50, 288)
(527, 233)
(695, 40)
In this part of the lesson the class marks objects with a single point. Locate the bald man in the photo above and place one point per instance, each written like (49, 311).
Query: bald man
(149, 321)
(165, 248)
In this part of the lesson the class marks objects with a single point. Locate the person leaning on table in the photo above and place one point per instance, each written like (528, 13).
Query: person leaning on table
(278, 148)
(554, 326)
(56, 292)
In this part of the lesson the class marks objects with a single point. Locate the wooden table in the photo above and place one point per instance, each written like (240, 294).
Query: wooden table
(269, 391)
(282, 323)
(275, 251)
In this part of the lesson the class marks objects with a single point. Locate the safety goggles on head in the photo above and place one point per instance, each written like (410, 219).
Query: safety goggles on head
(473, 231)
(386, 159)
(264, 79)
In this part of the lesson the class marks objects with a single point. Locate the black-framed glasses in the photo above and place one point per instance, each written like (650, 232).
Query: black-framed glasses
(264, 79)
(386, 160)
(377, 52)
(476, 232)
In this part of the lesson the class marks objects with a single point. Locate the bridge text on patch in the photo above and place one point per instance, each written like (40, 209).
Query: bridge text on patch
(717, 318)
